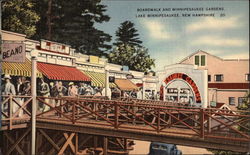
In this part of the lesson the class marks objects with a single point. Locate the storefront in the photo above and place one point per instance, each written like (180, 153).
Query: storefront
(183, 83)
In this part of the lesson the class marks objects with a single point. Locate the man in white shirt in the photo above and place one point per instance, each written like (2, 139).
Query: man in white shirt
(8, 89)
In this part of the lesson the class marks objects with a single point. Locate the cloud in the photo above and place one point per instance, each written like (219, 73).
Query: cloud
(237, 56)
(225, 54)
(219, 41)
(157, 30)
(211, 23)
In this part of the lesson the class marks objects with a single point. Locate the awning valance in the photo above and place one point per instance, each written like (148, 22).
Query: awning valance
(98, 79)
(58, 72)
(18, 69)
(125, 84)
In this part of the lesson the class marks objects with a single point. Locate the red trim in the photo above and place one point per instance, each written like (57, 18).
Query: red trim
(139, 84)
(58, 72)
(189, 81)
(229, 85)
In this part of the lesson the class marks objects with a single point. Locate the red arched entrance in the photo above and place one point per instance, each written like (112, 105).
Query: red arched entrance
(187, 79)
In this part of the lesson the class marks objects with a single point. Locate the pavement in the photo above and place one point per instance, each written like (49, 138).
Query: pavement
(142, 148)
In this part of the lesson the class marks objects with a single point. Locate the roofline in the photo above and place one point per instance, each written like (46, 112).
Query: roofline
(196, 53)
(15, 33)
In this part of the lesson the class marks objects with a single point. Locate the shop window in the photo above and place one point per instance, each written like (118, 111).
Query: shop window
(209, 78)
(231, 100)
(218, 77)
(203, 60)
(247, 77)
(197, 60)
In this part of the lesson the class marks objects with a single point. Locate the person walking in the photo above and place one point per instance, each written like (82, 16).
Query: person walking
(8, 89)
(72, 90)
(19, 88)
(43, 90)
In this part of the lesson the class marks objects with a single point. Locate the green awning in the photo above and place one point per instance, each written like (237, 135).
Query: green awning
(98, 79)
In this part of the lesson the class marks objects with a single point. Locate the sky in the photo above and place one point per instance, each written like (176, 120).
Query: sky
(222, 29)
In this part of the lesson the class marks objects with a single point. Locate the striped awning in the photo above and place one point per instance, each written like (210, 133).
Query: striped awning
(18, 69)
(98, 79)
(125, 84)
(59, 72)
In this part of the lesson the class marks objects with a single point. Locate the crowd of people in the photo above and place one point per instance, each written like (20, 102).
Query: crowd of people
(21, 86)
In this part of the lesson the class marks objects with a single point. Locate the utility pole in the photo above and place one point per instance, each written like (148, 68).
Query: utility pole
(1, 62)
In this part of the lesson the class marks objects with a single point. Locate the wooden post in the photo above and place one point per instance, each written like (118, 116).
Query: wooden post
(73, 113)
(105, 146)
(95, 142)
(202, 123)
(76, 144)
(158, 121)
(10, 111)
(209, 122)
(125, 144)
(116, 115)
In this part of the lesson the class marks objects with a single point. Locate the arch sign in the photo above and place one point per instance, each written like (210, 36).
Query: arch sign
(188, 80)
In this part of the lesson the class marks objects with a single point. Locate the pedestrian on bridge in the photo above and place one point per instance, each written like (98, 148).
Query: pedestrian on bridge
(44, 91)
(8, 89)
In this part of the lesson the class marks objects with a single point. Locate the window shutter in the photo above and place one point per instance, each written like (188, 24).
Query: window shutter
(203, 60)
(197, 60)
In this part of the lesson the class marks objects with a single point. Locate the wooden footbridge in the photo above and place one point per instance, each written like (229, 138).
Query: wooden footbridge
(97, 125)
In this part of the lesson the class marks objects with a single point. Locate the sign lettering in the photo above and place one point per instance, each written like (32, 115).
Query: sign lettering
(188, 80)
(13, 52)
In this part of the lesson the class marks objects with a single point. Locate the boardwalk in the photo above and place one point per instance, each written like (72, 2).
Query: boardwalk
(133, 119)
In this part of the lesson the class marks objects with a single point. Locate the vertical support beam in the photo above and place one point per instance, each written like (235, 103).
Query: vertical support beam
(209, 122)
(1, 63)
(107, 83)
(33, 93)
(105, 146)
(125, 144)
(164, 93)
(10, 111)
(116, 115)
(202, 123)
(158, 120)
(95, 142)
(76, 144)
(143, 88)
(73, 113)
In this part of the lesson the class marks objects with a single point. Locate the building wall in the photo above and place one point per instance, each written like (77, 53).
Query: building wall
(233, 71)
(222, 96)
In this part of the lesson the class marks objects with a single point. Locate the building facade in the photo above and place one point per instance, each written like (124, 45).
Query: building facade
(227, 79)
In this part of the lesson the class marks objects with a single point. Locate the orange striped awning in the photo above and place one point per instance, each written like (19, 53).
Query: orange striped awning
(125, 84)
(59, 72)
(18, 69)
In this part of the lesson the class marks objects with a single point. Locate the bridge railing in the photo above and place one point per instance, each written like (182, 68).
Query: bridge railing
(131, 115)
(15, 110)
(127, 115)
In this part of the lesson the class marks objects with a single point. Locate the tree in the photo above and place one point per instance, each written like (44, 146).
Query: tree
(136, 58)
(127, 34)
(72, 22)
(19, 16)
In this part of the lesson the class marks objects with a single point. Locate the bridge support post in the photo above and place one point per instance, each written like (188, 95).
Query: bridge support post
(209, 123)
(116, 115)
(10, 111)
(202, 123)
(33, 93)
(105, 145)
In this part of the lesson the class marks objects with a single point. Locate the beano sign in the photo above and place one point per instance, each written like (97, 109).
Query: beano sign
(13, 52)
